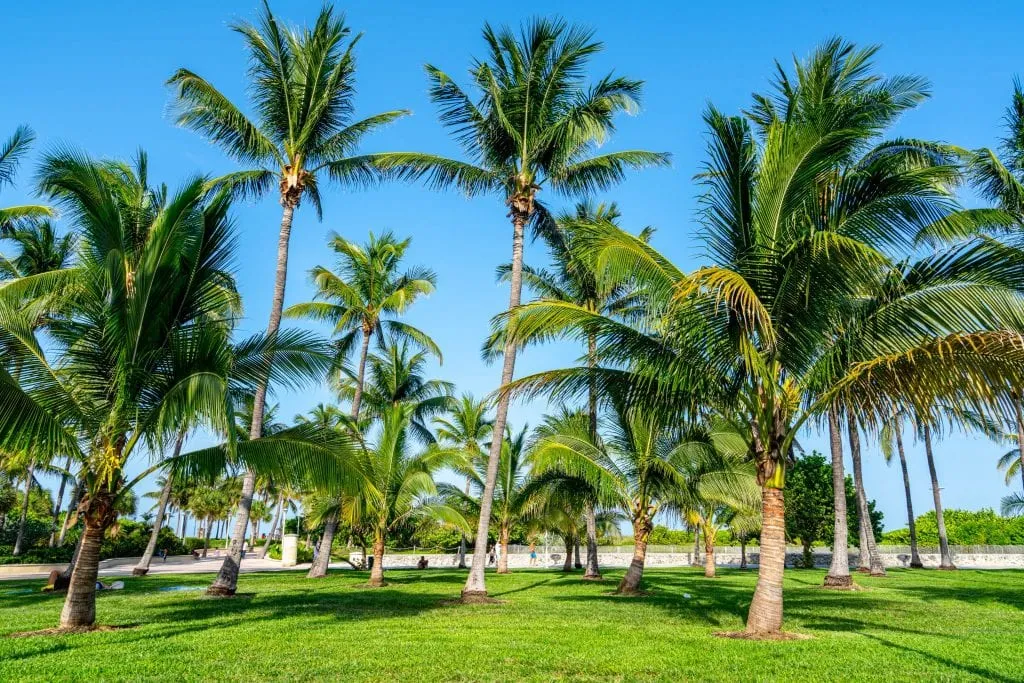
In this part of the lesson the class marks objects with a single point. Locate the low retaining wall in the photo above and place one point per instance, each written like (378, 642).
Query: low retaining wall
(724, 557)
(19, 569)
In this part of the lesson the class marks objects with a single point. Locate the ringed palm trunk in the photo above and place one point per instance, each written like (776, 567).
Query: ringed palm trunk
(56, 506)
(567, 563)
(709, 554)
(273, 527)
(867, 533)
(476, 585)
(503, 535)
(323, 558)
(765, 616)
(20, 540)
(226, 582)
(80, 604)
(839, 571)
(377, 572)
(593, 570)
(915, 558)
(364, 350)
(630, 583)
(946, 557)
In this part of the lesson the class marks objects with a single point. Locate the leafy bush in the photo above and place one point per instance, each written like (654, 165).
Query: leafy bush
(302, 555)
(964, 527)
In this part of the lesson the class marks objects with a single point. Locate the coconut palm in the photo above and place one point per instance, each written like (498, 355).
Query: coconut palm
(302, 83)
(532, 123)
(892, 440)
(141, 344)
(465, 428)
(142, 568)
(367, 290)
(11, 153)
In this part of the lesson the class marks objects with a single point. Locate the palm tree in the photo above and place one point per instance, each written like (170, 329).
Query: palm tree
(141, 342)
(398, 484)
(142, 568)
(465, 428)
(11, 154)
(892, 439)
(365, 291)
(533, 123)
(302, 82)
(576, 280)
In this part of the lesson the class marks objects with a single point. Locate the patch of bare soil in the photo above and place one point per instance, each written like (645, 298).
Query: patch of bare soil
(773, 635)
(96, 628)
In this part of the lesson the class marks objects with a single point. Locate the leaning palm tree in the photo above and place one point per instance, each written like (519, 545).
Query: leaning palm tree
(891, 440)
(532, 123)
(141, 344)
(364, 294)
(11, 153)
(465, 428)
(142, 568)
(302, 83)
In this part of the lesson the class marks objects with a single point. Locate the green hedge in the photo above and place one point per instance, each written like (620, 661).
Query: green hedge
(964, 527)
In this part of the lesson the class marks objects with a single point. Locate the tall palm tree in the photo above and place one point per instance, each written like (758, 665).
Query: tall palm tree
(11, 153)
(141, 344)
(466, 427)
(301, 83)
(532, 123)
(892, 440)
(142, 568)
(366, 290)
(576, 279)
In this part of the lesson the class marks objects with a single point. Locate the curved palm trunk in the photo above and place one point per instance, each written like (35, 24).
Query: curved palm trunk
(839, 571)
(630, 583)
(946, 557)
(743, 552)
(80, 604)
(503, 535)
(765, 616)
(1020, 438)
(227, 578)
(696, 547)
(593, 570)
(867, 533)
(142, 568)
(273, 527)
(56, 506)
(20, 540)
(357, 398)
(76, 494)
(915, 558)
(323, 558)
(476, 585)
(709, 554)
(377, 572)
(567, 563)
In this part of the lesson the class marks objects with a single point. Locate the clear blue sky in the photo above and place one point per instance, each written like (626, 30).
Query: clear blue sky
(92, 74)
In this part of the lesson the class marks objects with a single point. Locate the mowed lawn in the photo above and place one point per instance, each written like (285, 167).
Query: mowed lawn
(913, 625)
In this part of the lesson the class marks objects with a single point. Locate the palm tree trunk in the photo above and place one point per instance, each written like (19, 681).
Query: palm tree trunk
(1020, 438)
(377, 572)
(56, 506)
(462, 551)
(206, 535)
(696, 546)
(323, 558)
(273, 526)
(80, 604)
(577, 564)
(630, 584)
(946, 561)
(765, 616)
(20, 540)
(709, 555)
(867, 539)
(142, 568)
(503, 535)
(839, 571)
(76, 495)
(743, 552)
(476, 585)
(593, 571)
(915, 558)
(227, 578)
(567, 563)
(357, 398)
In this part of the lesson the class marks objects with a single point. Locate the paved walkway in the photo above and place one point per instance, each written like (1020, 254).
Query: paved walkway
(208, 566)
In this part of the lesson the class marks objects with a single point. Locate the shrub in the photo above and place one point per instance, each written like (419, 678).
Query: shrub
(964, 527)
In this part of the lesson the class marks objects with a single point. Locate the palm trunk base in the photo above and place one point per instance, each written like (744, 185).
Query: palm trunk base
(838, 581)
(220, 591)
(140, 571)
(948, 567)
(592, 577)
(917, 565)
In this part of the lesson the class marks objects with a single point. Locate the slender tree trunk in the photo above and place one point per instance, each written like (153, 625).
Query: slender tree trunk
(227, 578)
(357, 398)
(593, 570)
(74, 557)
(743, 552)
(1020, 436)
(946, 561)
(503, 535)
(709, 555)
(273, 526)
(206, 535)
(476, 585)
(765, 616)
(76, 495)
(377, 572)
(20, 540)
(915, 558)
(863, 554)
(875, 565)
(577, 564)
(462, 539)
(630, 584)
(56, 506)
(323, 558)
(142, 568)
(80, 604)
(696, 546)
(839, 571)
(567, 563)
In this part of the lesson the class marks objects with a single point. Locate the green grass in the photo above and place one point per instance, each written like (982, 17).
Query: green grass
(914, 625)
